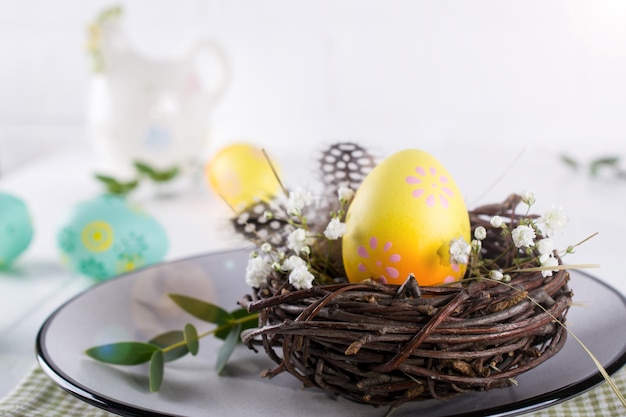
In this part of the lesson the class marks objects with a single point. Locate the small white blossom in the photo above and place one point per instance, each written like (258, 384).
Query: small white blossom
(335, 229)
(298, 199)
(496, 275)
(266, 247)
(477, 245)
(496, 221)
(545, 246)
(548, 260)
(268, 215)
(301, 278)
(528, 196)
(459, 251)
(553, 221)
(480, 233)
(523, 236)
(298, 240)
(345, 194)
(257, 271)
(292, 263)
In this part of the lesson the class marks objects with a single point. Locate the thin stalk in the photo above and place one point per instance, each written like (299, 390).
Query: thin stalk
(228, 325)
(269, 161)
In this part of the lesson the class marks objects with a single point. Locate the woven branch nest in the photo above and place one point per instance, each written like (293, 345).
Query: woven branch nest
(388, 344)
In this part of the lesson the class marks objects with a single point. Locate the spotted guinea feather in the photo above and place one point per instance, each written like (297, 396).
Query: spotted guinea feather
(254, 224)
(343, 164)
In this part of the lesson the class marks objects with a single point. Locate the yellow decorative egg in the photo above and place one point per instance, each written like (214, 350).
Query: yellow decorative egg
(402, 221)
(241, 175)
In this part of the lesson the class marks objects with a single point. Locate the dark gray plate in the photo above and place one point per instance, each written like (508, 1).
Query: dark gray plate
(136, 307)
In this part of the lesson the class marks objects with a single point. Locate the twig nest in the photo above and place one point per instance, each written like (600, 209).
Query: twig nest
(388, 344)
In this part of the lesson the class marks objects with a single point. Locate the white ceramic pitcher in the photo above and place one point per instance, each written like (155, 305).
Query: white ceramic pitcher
(148, 110)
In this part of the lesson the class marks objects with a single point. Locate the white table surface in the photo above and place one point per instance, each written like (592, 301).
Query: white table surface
(197, 222)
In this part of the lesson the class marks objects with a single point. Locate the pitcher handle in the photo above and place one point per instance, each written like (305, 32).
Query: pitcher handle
(224, 77)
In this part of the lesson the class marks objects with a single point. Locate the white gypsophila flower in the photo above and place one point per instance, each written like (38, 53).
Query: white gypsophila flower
(459, 251)
(298, 199)
(528, 196)
(298, 240)
(496, 221)
(266, 247)
(257, 271)
(552, 221)
(301, 278)
(548, 260)
(545, 246)
(480, 233)
(335, 229)
(496, 275)
(477, 245)
(345, 194)
(292, 263)
(523, 236)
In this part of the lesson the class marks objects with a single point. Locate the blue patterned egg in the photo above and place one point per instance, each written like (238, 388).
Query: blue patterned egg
(16, 228)
(107, 236)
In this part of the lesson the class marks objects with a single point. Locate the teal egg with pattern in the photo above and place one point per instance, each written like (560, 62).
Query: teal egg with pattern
(16, 228)
(107, 236)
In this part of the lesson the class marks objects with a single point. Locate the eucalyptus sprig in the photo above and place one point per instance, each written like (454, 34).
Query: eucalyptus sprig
(156, 175)
(117, 187)
(175, 344)
(610, 164)
(144, 171)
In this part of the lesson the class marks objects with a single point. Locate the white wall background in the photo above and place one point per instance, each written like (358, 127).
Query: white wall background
(511, 74)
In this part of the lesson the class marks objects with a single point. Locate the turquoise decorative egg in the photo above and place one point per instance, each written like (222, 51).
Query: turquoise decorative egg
(16, 228)
(106, 236)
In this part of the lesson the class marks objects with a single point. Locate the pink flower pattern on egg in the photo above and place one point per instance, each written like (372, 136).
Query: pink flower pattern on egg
(383, 270)
(430, 185)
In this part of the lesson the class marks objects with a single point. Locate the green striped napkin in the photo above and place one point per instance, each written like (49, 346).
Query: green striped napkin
(39, 396)
(599, 401)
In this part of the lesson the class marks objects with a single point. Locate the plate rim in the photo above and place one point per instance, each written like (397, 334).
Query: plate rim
(117, 406)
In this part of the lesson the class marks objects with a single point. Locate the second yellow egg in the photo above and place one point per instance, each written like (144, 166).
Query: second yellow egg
(241, 174)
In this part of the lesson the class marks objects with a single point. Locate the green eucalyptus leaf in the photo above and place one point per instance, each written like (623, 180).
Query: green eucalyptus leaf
(156, 370)
(114, 186)
(227, 348)
(191, 338)
(568, 160)
(202, 310)
(106, 179)
(166, 175)
(240, 313)
(596, 165)
(123, 353)
(144, 168)
(168, 339)
(156, 175)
